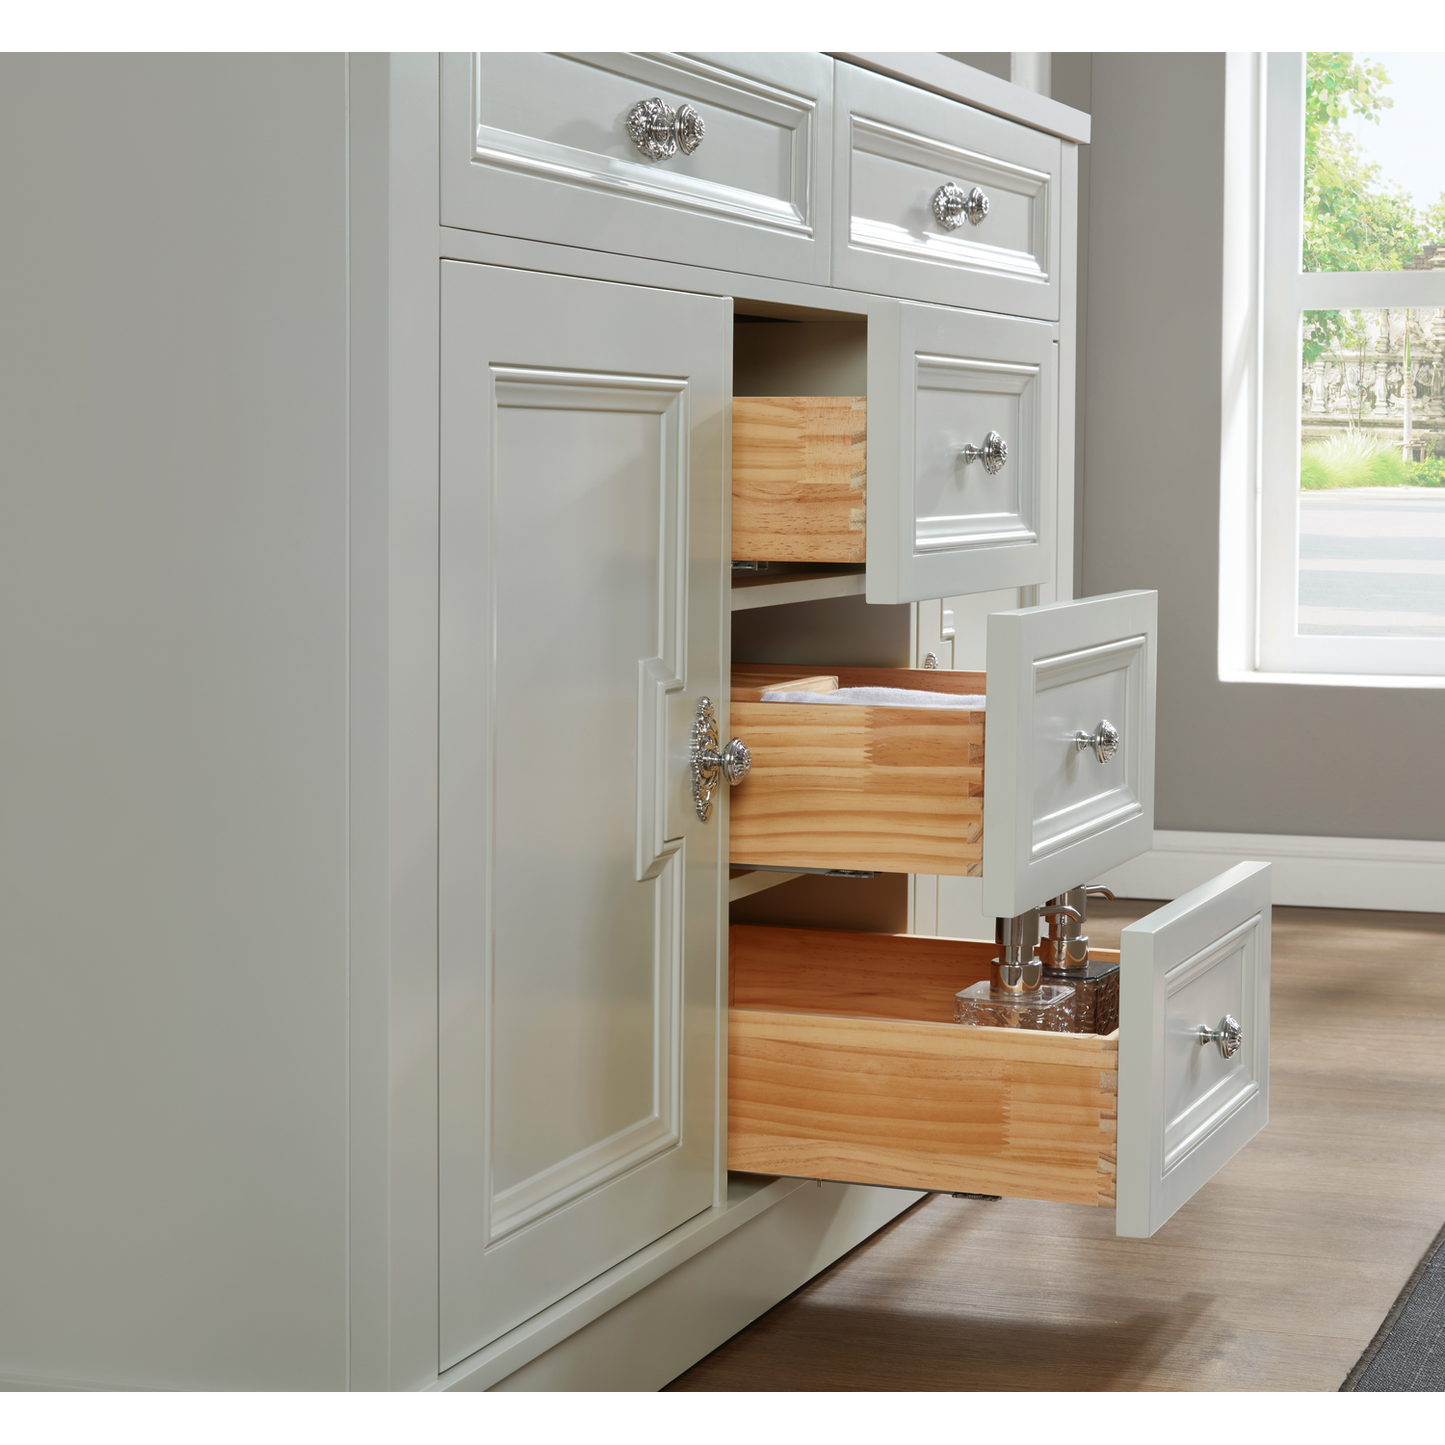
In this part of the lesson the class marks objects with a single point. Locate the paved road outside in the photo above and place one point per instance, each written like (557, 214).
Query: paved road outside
(1372, 562)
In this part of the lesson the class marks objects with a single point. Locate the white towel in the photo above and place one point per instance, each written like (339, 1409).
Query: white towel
(880, 697)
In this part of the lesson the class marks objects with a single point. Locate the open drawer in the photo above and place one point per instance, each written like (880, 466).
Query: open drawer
(844, 1063)
(922, 790)
(941, 481)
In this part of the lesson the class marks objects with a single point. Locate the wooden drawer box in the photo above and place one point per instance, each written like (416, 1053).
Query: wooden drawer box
(800, 478)
(844, 1063)
(886, 789)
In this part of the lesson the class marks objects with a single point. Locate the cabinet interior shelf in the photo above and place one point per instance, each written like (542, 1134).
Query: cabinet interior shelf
(765, 589)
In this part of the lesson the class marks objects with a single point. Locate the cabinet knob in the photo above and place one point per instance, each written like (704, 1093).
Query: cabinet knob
(709, 766)
(1229, 1036)
(951, 204)
(690, 129)
(658, 131)
(993, 453)
(1104, 740)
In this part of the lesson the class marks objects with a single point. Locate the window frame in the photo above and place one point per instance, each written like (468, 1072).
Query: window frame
(1266, 292)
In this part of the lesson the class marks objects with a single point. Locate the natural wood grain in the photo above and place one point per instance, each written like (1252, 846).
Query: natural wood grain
(844, 1063)
(921, 1105)
(773, 674)
(800, 478)
(1274, 1277)
(746, 689)
(896, 790)
(875, 975)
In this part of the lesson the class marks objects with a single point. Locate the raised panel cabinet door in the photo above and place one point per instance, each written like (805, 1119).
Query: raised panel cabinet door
(1193, 1043)
(997, 247)
(582, 574)
(1068, 779)
(538, 145)
(962, 452)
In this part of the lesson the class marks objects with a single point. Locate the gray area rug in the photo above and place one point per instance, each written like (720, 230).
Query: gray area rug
(1408, 1351)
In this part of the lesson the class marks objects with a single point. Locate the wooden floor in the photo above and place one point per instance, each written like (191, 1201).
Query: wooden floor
(1274, 1277)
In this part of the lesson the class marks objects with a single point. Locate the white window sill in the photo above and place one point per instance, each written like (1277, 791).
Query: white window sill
(1332, 679)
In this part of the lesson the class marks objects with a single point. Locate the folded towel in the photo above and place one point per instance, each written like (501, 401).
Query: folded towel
(880, 697)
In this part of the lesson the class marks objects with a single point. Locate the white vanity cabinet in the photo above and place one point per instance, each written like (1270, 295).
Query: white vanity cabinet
(606, 1049)
(399, 1043)
(402, 659)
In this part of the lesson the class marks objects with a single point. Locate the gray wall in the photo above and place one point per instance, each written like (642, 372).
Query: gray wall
(173, 720)
(1232, 757)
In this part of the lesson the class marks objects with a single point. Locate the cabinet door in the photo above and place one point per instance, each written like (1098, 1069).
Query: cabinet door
(1193, 1043)
(962, 452)
(1058, 810)
(582, 575)
(537, 145)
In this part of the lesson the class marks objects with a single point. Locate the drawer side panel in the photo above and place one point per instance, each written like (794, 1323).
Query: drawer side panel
(800, 478)
(924, 1106)
(897, 790)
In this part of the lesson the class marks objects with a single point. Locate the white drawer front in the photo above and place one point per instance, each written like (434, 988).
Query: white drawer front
(939, 381)
(1185, 1109)
(1056, 814)
(536, 145)
(897, 146)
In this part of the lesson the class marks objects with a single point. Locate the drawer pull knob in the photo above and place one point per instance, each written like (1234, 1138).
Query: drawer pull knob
(993, 453)
(1229, 1036)
(659, 132)
(709, 766)
(951, 204)
(1104, 740)
(690, 129)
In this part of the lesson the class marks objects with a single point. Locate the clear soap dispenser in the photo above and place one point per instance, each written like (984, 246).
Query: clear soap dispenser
(1018, 996)
(1064, 952)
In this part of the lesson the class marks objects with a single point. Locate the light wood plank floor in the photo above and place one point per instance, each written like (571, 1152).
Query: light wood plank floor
(1274, 1277)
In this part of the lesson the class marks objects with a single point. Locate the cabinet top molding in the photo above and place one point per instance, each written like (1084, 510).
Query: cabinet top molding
(931, 71)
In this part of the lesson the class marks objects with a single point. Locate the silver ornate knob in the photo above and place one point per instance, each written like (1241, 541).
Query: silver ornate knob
(931, 661)
(658, 131)
(690, 129)
(1229, 1036)
(709, 766)
(951, 204)
(652, 124)
(993, 453)
(1104, 740)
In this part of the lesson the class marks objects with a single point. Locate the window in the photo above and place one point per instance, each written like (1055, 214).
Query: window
(1333, 482)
